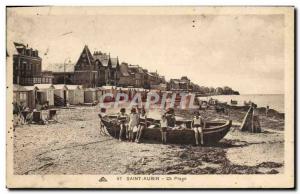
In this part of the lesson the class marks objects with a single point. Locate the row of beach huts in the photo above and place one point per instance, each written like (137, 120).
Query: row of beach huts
(62, 95)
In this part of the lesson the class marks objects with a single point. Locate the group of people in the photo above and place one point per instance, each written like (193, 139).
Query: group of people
(136, 122)
(168, 122)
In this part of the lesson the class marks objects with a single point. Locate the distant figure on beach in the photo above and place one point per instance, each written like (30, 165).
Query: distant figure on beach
(133, 122)
(142, 125)
(267, 110)
(25, 114)
(102, 115)
(123, 120)
(197, 125)
(163, 129)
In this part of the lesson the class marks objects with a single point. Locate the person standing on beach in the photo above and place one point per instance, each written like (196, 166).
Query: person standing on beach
(102, 115)
(197, 124)
(163, 125)
(142, 125)
(123, 120)
(267, 111)
(133, 122)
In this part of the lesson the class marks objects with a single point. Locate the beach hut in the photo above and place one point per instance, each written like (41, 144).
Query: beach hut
(45, 94)
(32, 93)
(60, 94)
(108, 89)
(111, 90)
(99, 92)
(90, 95)
(75, 94)
(23, 96)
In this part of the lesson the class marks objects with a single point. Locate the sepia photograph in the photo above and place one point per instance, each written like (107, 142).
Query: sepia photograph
(150, 97)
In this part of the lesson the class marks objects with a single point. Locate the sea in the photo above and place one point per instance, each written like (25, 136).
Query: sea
(274, 101)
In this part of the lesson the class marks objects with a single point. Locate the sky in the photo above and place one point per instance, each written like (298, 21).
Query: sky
(245, 52)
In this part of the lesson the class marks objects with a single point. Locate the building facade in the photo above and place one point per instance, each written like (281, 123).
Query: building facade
(27, 67)
(126, 77)
(63, 77)
(137, 74)
(108, 69)
(85, 72)
(182, 84)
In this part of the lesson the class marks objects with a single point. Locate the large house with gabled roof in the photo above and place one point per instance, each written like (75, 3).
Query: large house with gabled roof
(108, 68)
(85, 72)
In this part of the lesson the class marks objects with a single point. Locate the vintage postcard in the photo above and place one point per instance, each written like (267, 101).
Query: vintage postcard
(150, 97)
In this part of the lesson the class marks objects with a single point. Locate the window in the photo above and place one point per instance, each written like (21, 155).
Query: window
(22, 96)
(23, 66)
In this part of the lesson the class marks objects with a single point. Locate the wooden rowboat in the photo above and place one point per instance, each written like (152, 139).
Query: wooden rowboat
(212, 133)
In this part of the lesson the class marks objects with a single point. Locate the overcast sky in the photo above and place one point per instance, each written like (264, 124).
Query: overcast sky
(245, 52)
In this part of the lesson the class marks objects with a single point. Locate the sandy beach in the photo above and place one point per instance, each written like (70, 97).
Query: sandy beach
(74, 145)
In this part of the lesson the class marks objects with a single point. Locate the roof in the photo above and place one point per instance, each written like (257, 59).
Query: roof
(60, 86)
(102, 57)
(22, 49)
(19, 88)
(185, 78)
(114, 62)
(90, 89)
(124, 69)
(85, 54)
(154, 74)
(149, 74)
(107, 87)
(135, 69)
(74, 87)
(31, 88)
(19, 47)
(178, 81)
(44, 86)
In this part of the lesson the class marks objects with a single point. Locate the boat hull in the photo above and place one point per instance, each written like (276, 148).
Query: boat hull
(212, 134)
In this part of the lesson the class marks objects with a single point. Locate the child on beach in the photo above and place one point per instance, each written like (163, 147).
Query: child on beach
(142, 125)
(133, 122)
(123, 119)
(197, 124)
(102, 115)
(163, 125)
